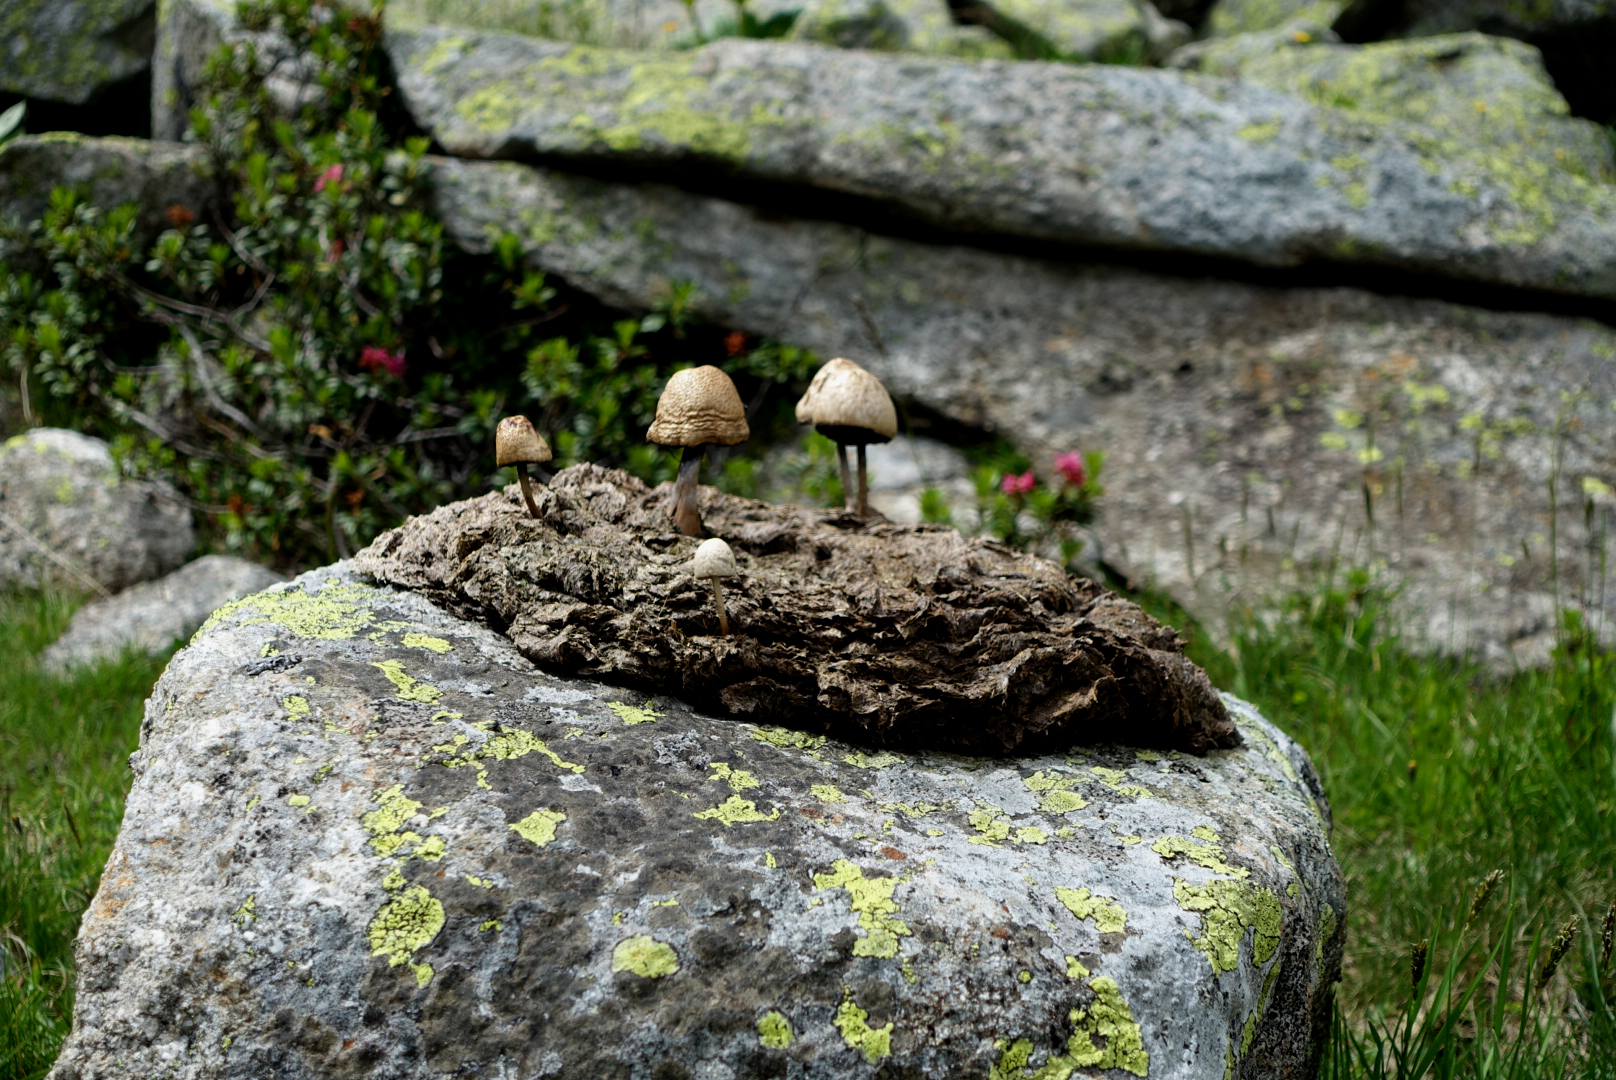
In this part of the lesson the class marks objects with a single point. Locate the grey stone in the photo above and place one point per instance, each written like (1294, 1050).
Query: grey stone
(1089, 154)
(189, 34)
(69, 516)
(1252, 433)
(917, 26)
(366, 837)
(1232, 17)
(148, 618)
(72, 50)
(1422, 17)
(1130, 31)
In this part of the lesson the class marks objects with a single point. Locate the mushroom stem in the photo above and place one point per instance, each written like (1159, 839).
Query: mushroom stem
(864, 485)
(718, 602)
(684, 511)
(847, 477)
(527, 489)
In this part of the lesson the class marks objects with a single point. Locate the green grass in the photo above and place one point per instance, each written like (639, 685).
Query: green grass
(64, 746)
(1438, 774)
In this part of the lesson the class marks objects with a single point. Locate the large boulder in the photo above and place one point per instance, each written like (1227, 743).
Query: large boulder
(72, 51)
(367, 838)
(70, 520)
(150, 617)
(1252, 431)
(1120, 31)
(1079, 154)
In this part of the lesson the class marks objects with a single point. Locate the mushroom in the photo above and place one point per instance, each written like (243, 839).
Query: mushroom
(849, 406)
(698, 408)
(714, 560)
(516, 443)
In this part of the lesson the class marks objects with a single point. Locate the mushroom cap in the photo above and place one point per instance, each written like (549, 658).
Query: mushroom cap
(516, 443)
(850, 402)
(713, 559)
(699, 405)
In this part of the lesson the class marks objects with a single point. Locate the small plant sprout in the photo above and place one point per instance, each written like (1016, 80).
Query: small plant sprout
(714, 561)
(698, 408)
(850, 407)
(516, 443)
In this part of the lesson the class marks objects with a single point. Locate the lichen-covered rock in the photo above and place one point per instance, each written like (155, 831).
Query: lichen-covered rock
(1118, 30)
(1091, 154)
(1528, 20)
(72, 50)
(1251, 432)
(365, 838)
(69, 514)
(1230, 18)
(917, 26)
(1470, 90)
(151, 616)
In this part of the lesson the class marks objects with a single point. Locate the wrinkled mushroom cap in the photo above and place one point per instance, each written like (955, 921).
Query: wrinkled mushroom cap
(713, 559)
(516, 443)
(851, 402)
(699, 405)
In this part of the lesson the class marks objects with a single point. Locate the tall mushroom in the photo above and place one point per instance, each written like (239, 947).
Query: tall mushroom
(516, 443)
(849, 406)
(698, 408)
(714, 561)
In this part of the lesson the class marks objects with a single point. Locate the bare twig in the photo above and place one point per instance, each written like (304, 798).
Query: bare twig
(60, 560)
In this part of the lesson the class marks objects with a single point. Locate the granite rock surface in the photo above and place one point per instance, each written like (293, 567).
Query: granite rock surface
(72, 50)
(367, 838)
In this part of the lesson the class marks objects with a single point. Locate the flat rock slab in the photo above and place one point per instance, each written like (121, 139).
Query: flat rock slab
(366, 838)
(1094, 155)
(896, 635)
(148, 618)
(70, 519)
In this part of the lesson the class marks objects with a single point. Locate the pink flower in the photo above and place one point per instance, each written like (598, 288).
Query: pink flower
(373, 358)
(1070, 466)
(1018, 485)
(332, 175)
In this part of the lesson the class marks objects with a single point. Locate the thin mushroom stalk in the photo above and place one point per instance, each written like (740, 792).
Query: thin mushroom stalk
(847, 476)
(527, 490)
(864, 484)
(718, 603)
(684, 511)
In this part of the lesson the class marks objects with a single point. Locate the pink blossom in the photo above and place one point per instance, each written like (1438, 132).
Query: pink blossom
(373, 358)
(1018, 485)
(1070, 466)
(332, 175)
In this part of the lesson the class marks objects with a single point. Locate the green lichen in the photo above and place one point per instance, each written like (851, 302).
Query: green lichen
(539, 827)
(735, 810)
(1259, 133)
(871, 900)
(774, 1030)
(1327, 919)
(443, 53)
(880, 760)
(853, 1022)
(991, 826)
(409, 688)
(1104, 1036)
(786, 738)
(737, 779)
(1228, 909)
(296, 706)
(914, 810)
(405, 925)
(298, 800)
(337, 612)
(827, 793)
(1075, 968)
(1113, 779)
(488, 926)
(508, 745)
(1207, 853)
(385, 824)
(631, 715)
(247, 914)
(1108, 916)
(428, 642)
(431, 849)
(1056, 792)
(645, 956)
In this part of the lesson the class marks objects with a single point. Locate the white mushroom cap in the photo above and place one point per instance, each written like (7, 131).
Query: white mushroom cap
(844, 395)
(713, 559)
(515, 442)
(699, 405)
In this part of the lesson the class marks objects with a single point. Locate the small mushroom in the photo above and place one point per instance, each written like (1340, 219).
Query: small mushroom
(849, 406)
(698, 408)
(516, 443)
(714, 560)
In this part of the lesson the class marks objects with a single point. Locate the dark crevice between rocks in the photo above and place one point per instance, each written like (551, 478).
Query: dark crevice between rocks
(897, 636)
(785, 202)
(122, 108)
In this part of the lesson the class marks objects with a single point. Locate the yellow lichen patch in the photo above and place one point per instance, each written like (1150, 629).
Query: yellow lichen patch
(1228, 909)
(915, 810)
(408, 688)
(490, 925)
(853, 1022)
(1205, 832)
(872, 902)
(1108, 916)
(734, 810)
(1113, 779)
(509, 744)
(631, 715)
(298, 800)
(335, 613)
(296, 706)
(645, 956)
(247, 914)
(1208, 854)
(405, 925)
(1056, 792)
(539, 827)
(384, 823)
(774, 1030)
(1104, 1036)
(1031, 834)
(738, 779)
(785, 738)
(428, 642)
(880, 760)
(827, 793)
(1327, 919)
(1075, 968)
(431, 849)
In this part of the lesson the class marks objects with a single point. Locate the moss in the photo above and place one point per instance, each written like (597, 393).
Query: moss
(427, 641)
(827, 793)
(539, 827)
(409, 688)
(735, 810)
(871, 900)
(774, 1030)
(1108, 916)
(853, 1022)
(645, 956)
(405, 925)
(738, 779)
(1228, 909)
(631, 715)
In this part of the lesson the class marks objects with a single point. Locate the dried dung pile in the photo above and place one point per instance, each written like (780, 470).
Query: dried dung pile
(891, 635)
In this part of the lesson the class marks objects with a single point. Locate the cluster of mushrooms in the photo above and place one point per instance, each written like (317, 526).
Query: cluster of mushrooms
(700, 408)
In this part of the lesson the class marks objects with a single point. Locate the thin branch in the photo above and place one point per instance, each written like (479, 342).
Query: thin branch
(60, 560)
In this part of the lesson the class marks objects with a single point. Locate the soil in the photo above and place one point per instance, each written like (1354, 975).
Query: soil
(896, 636)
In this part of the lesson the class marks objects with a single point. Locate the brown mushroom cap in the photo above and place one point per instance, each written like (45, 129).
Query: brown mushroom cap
(516, 443)
(699, 405)
(849, 402)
